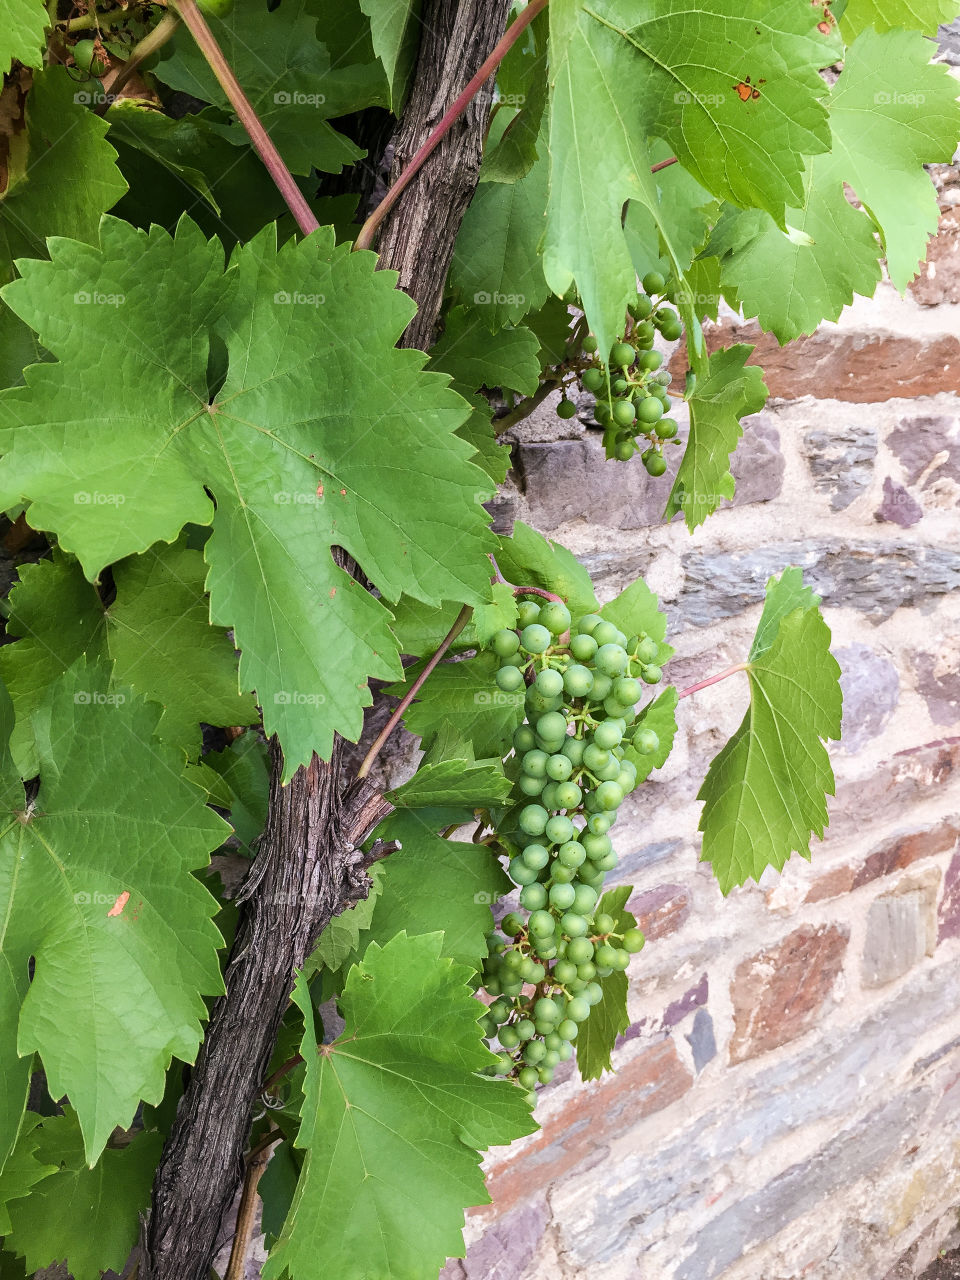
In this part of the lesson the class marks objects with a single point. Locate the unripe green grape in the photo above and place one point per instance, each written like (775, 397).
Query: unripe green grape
(599, 823)
(625, 450)
(548, 796)
(546, 1011)
(595, 845)
(578, 680)
(592, 380)
(588, 623)
(671, 332)
(606, 956)
(623, 413)
(535, 763)
(555, 616)
(524, 739)
(573, 925)
(566, 409)
(609, 796)
(633, 941)
(562, 896)
(533, 1051)
(515, 660)
(513, 988)
(649, 410)
(499, 1011)
(528, 611)
(488, 1027)
(587, 971)
(595, 757)
(533, 819)
(552, 725)
(647, 649)
(653, 282)
(619, 387)
(550, 744)
(578, 1009)
(559, 767)
(666, 428)
(508, 1037)
(608, 734)
(509, 679)
(665, 315)
(532, 972)
(572, 854)
(622, 959)
(562, 874)
(590, 344)
(546, 1070)
(626, 781)
(651, 675)
(535, 638)
(606, 863)
(520, 873)
(533, 897)
(641, 308)
(627, 691)
(493, 986)
(569, 795)
(511, 925)
(528, 1077)
(585, 899)
(651, 360)
(579, 950)
(602, 684)
(656, 465)
(567, 1030)
(549, 683)
(546, 948)
(535, 856)
(541, 924)
(604, 923)
(583, 648)
(604, 633)
(593, 993)
(622, 355)
(544, 1027)
(560, 829)
(602, 412)
(530, 787)
(611, 659)
(609, 773)
(573, 749)
(505, 642)
(646, 741)
(565, 971)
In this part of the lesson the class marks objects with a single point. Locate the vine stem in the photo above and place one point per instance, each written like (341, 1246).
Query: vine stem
(206, 42)
(454, 111)
(537, 591)
(703, 684)
(152, 41)
(281, 1071)
(460, 622)
(662, 164)
(87, 21)
(246, 1213)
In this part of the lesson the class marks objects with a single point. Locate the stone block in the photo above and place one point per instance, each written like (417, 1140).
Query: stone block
(778, 994)
(831, 885)
(661, 911)
(899, 933)
(841, 461)
(702, 1040)
(928, 448)
(897, 506)
(938, 680)
(907, 847)
(508, 1246)
(938, 279)
(871, 692)
(757, 465)
(949, 914)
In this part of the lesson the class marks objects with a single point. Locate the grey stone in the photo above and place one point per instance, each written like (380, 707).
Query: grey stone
(898, 506)
(897, 928)
(948, 38)
(841, 461)
(757, 466)
(938, 683)
(871, 692)
(509, 1245)
(702, 1040)
(631, 864)
(918, 441)
(875, 578)
(854, 1153)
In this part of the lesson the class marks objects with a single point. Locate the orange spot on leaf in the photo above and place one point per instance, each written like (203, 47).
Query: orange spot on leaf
(333, 592)
(121, 902)
(343, 493)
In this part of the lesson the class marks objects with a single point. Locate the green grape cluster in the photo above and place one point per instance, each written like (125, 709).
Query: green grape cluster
(631, 389)
(582, 684)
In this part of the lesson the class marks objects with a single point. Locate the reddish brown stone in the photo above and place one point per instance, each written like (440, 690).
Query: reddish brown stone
(662, 910)
(861, 366)
(902, 850)
(906, 779)
(938, 279)
(832, 885)
(778, 993)
(649, 1082)
(949, 914)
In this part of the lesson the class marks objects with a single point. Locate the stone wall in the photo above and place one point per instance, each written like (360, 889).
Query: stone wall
(787, 1098)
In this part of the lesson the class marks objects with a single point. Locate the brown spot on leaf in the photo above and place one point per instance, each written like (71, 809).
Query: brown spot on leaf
(121, 902)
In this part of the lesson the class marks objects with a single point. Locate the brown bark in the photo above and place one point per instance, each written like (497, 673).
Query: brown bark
(307, 869)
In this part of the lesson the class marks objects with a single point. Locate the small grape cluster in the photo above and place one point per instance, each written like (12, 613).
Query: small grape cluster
(631, 390)
(581, 684)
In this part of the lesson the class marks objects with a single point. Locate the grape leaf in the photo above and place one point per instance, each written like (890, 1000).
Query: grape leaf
(245, 769)
(477, 783)
(23, 24)
(341, 938)
(489, 453)
(528, 559)
(500, 613)
(22, 1171)
(608, 1017)
(280, 449)
(660, 716)
(496, 263)
(465, 880)
(393, 28)
(522, 79)
(685, 206)
(784, 594)
(836, 255)
(394, 1115)
(88, 1218)
(765, 793)
(103, 901)
(464, 695)
(637, 609)
(284, 71)
(157, 631)
(915, 15)
(729, 391)
(475, 358)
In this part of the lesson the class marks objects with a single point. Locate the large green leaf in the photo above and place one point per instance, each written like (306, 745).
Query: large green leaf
(660, 715)
(729, 391)
(99, 896)
(22, 27)
(474, 358)
(608, 1018)
(891, 112)
(312, 440)
(882, 15)
(22, 1171)
(528, 559)
(285, 72)
(476, 783)
(464, 695)
(394, 1118)
(394, 28)
(765, 793)
(157, 631)
(88, 1218)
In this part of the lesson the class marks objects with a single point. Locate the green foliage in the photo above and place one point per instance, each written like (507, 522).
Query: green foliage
(609, 1019)
(765, 793)
(22, 40)
(400, 1089)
